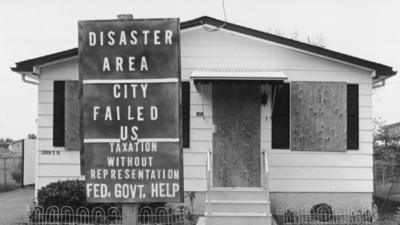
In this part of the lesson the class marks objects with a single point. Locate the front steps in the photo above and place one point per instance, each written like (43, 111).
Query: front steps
(238, 206)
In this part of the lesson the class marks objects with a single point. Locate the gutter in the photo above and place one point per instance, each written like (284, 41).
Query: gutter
(379, 85)
(35, 72)
(23, 77)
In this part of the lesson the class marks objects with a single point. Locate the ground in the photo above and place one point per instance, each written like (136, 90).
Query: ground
(387, 212)
(13, 205)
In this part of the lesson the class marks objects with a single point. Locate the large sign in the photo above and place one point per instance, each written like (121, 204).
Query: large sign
(130, 72)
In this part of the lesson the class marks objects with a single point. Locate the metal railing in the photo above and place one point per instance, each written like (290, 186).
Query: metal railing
(324, 215)
(387, 180)
(266, 169)
(98, 216)
(208, 176)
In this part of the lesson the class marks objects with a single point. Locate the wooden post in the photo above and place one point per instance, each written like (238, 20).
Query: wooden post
(130, 214)
(129, 210)
(5, 173)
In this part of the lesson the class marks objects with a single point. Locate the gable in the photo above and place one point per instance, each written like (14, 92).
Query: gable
(380, 71)
(224, 50)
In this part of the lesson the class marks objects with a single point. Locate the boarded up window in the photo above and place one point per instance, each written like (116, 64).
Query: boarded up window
(352, 117)
(281, 117)
(58, 113)
(186, 113)
(318, 116)
(66, 114)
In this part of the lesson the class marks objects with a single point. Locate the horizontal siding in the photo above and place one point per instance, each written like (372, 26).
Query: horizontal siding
(319, 159)
(29, 161)
(321, 185)
(290, 171)
(310, 173)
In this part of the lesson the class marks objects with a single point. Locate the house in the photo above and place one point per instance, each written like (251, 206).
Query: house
(21, 156)
(268, 122)
(18, 160)
(26, 148)
(393, 131)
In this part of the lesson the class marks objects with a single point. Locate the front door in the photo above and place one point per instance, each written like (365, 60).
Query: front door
(236, 140)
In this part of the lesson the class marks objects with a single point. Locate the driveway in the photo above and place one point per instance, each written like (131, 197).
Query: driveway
(13, 205)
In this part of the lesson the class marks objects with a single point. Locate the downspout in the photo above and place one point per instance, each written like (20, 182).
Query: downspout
(36, 72)
(379, 84)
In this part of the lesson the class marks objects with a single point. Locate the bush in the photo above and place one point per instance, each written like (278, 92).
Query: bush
(67, 193)
(72, 193)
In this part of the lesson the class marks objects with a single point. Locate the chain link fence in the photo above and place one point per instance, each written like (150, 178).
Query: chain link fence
(11, 174)
(387, 180)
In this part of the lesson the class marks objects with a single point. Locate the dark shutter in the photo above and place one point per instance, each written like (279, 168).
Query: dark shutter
(186, 113)
(72, 115)
(58, 113)
(352, 117)
(281, 117)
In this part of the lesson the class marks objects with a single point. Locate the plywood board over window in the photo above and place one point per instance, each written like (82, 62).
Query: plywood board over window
(318, 116)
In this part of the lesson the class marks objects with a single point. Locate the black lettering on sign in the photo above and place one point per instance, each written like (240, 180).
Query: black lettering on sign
(131, 110)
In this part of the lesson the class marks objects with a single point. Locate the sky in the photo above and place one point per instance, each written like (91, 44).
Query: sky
(368, 29)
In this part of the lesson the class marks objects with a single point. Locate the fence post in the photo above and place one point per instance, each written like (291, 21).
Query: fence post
(130, 214)
(5, 173)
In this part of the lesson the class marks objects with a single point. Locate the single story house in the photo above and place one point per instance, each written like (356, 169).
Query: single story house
(269, 122)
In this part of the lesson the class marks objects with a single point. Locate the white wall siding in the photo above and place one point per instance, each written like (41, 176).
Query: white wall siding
(54, 163)
(29, 161)
(290, 171)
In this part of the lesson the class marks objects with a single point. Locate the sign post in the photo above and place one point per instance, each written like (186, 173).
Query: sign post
(130, 71)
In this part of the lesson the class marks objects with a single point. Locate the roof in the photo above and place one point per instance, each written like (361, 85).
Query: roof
(393, 125)
(381, 71)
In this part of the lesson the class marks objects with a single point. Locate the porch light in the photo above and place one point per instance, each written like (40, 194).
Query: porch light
(264, 99)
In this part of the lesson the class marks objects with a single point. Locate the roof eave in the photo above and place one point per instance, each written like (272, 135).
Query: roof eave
(380, 69)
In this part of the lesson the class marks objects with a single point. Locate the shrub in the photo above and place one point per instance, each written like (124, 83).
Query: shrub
(72, 193)
(66, 193)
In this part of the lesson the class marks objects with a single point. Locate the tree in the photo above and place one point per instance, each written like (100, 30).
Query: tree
(380, 133)
(318, 40)
(32, 136)
(5, 142)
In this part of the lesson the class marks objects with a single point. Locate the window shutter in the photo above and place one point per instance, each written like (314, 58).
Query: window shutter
(186, 113)
(281, 117)
(58, 113)
(352, 117)
(72, 115)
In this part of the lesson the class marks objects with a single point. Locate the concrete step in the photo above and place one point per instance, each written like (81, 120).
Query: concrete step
(238, 206)
(247, 194)
(238, 219)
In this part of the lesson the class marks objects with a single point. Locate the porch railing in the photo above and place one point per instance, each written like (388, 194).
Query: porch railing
(266, 169)
(208, 176)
